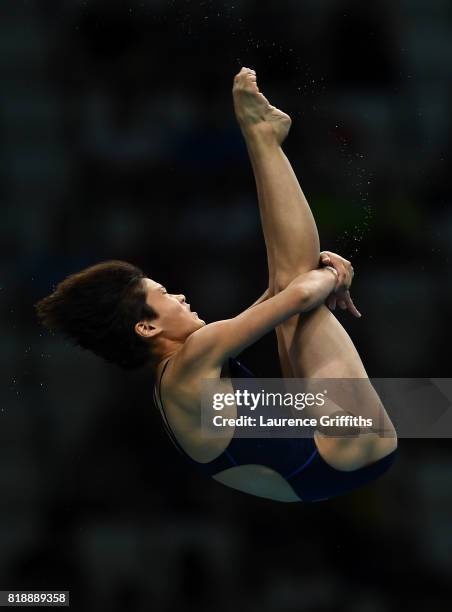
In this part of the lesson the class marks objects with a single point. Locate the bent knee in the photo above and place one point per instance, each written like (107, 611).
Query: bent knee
(348, 454)
(283, 277)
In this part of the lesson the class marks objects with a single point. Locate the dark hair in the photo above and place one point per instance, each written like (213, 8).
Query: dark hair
(97, 308)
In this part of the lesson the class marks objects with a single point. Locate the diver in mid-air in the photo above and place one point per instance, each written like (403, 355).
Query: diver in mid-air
(115, 310)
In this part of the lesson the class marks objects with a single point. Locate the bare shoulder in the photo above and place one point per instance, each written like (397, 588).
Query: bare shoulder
(196, 359)
(185, 373)
(198, 350)
(181, 396)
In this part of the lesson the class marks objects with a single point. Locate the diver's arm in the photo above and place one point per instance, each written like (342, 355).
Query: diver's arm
(214, 343)
(327, 258)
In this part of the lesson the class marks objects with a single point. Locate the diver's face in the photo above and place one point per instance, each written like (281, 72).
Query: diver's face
(174, 315)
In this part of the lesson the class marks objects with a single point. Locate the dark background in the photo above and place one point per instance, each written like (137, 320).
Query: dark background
(118, 140)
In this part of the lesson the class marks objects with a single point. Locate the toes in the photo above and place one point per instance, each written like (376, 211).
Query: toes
(245, 81)
(245, 72)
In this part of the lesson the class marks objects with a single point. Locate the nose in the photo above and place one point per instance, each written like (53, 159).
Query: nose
(184, 301)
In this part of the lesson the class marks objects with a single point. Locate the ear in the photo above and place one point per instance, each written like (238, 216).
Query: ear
(146, 329)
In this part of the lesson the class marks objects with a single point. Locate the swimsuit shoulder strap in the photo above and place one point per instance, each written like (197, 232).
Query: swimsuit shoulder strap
(160, 381)
(159, 403)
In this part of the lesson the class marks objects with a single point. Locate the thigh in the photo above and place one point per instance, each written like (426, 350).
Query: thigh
(319, 347)
(284, 361)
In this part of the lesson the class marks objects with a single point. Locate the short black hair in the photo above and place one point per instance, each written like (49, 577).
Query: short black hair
(97, 309)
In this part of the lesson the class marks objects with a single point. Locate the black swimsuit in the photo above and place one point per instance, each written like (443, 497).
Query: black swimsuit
(296, 459)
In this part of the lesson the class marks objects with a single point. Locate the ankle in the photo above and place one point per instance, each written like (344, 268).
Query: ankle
(259, 135)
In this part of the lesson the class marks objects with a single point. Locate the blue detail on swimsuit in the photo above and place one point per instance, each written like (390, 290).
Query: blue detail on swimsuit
(296, 459)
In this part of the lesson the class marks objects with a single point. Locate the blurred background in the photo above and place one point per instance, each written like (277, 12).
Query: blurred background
(118, 141)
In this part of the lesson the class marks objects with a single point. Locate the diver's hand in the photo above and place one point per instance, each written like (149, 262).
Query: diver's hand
(343, 299)
(341, 294)
(342, 266)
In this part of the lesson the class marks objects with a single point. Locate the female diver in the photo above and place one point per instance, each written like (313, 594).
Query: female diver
(115, 311)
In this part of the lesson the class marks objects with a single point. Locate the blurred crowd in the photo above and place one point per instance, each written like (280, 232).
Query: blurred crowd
(118, 141)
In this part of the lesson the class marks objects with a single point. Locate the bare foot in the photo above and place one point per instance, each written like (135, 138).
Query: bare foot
(254, 112)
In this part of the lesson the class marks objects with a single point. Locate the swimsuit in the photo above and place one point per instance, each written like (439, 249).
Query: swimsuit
(296, 459)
